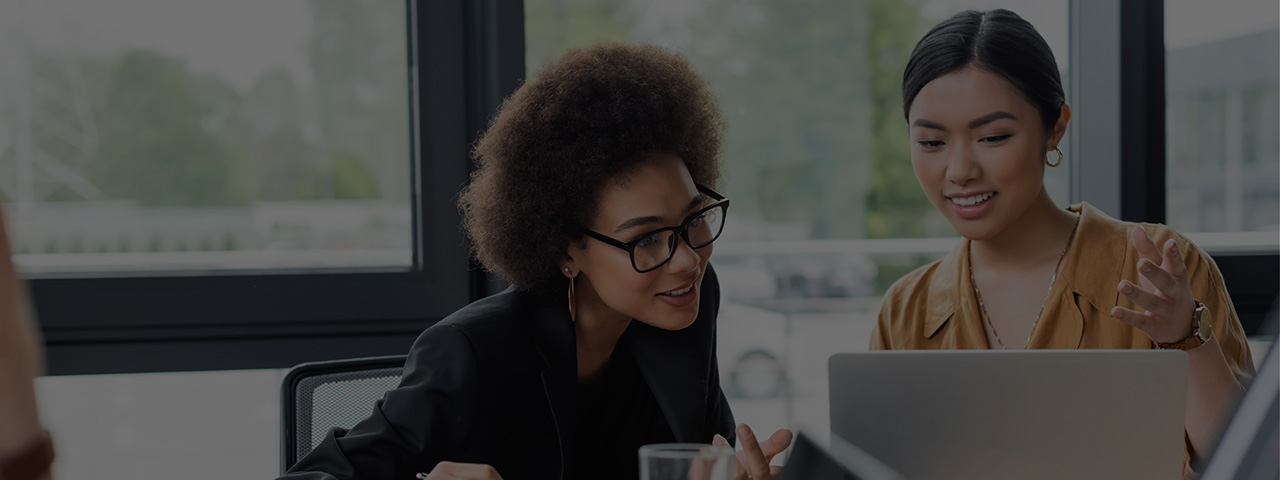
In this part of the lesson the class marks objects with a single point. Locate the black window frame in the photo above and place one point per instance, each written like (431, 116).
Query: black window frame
(464, 57)
(1252, 278)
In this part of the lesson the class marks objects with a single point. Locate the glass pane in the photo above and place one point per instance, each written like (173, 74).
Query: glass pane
(194, 135)
(1223, 137)
(826, 212)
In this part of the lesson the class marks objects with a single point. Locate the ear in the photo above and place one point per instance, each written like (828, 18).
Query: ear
(570, 265)
(1059, 128)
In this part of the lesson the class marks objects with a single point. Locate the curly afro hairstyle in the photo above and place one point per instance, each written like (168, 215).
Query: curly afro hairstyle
(588, 119)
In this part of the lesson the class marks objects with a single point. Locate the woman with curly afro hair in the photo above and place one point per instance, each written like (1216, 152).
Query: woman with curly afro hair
(594, 196)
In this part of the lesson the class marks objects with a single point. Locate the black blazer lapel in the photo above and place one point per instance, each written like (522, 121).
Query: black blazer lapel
(677, 367)
(553, 334)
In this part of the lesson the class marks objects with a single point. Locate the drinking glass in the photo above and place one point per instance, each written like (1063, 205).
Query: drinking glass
(686, 461)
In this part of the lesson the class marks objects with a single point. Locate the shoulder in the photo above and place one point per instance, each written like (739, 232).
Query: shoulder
(1098, 227)
(493, 321)
(494, 309)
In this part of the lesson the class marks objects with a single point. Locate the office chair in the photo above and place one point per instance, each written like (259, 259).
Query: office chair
(318, 396)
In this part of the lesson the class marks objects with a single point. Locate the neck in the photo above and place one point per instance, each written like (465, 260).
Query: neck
(597, 328)
(1040, 235)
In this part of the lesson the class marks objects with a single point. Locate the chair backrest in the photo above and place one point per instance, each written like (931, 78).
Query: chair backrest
(318, 396)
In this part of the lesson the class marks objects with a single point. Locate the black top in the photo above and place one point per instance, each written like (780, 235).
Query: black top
(495, 383)
(617, 414)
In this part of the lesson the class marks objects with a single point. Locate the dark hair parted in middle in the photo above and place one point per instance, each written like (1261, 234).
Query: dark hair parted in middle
(998, 41)
(589, 118)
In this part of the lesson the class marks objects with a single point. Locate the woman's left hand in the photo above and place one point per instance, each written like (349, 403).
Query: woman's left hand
(1165, 292)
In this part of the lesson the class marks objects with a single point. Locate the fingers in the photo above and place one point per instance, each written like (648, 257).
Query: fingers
(1135, 319)
(752, 458)
(1146, 248)
(1161, 279)
(719, 441)
(776, 443)
(1145, 299)
(1168, 274)
(740, 473)
(1164, 293)
(1173, 259)
(463, 471)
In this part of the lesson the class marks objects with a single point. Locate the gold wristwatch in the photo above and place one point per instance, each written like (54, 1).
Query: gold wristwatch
(1201, 330)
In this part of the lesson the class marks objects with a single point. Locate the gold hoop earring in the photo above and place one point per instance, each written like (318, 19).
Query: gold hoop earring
(573, 308)
(1051, 165)
(573, 313)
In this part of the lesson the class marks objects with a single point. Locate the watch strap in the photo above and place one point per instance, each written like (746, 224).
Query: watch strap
(1194, 339)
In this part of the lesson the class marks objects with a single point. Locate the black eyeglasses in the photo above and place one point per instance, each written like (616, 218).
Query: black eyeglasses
(654, 249)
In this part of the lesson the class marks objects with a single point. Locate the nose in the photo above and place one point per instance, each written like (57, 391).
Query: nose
(962, 166)
(685, 258)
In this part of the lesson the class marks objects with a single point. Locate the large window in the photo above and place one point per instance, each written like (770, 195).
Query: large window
(827, 212)
(200, 135)
(281, 308)
(1223, 90)
(210, 185)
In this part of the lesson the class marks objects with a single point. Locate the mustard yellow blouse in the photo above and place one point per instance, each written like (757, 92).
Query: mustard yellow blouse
(934, 307)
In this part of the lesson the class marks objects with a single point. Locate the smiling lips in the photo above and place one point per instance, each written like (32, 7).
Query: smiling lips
(682, 296)
(677, 293)
(972, 206)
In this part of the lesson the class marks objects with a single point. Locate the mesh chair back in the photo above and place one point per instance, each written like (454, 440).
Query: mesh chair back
(321, 395)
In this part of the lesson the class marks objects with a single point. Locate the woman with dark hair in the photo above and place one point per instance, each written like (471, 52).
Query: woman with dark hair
(594, 197)
(985, 110)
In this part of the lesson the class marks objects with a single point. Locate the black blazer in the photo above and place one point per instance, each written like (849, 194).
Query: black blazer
(494, 383)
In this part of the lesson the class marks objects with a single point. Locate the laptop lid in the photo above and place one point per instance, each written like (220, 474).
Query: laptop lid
(809, 461)
(1043, 414)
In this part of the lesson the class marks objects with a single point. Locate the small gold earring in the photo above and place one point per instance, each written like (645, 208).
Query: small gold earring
(1059, 150)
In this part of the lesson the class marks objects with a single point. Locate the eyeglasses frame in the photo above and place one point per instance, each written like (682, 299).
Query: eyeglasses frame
(681, 231)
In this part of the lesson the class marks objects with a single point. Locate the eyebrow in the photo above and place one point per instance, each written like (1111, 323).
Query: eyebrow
(655, 220)
(991, 117)
(983, 120)
(920, 122)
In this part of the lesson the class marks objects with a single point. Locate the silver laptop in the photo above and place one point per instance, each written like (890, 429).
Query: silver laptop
(1044, 414)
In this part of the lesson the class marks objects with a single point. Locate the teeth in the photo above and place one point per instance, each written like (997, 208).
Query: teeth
(677, 293)
(971, 201)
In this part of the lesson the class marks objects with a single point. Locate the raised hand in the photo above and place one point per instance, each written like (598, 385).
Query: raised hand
(1165, 292)
(753, 459)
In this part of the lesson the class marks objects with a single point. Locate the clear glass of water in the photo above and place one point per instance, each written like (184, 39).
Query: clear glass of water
(686, 461)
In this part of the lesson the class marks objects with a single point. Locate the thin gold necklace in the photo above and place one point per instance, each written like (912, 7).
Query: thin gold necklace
(982, 308)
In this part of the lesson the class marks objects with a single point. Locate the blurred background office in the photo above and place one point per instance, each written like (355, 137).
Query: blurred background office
(204, 194)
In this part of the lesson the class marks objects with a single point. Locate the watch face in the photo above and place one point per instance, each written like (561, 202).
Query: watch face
(1205, 320)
